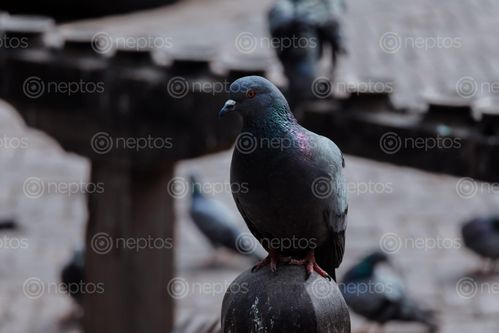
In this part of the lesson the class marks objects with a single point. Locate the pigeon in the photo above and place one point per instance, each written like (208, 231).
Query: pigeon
(296, 200)
(216, 223)
(300, 30)
(380, 297)
(73, 275)
(73, 279)
(481, 235)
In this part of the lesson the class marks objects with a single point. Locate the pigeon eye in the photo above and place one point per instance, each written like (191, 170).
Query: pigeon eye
(250, 93)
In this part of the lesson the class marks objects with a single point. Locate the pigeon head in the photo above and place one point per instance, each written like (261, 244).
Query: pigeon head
(369, 263)
(376, 257)
(365, 268)
(255, 96)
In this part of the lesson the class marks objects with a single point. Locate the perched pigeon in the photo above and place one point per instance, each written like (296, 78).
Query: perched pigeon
(300, 30)
(215, 222)
(73, 275)
(296, 200)
(481, 235)
(379, 296)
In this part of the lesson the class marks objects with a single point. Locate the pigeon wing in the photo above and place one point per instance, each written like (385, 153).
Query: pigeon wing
(215, 222)
(335, 207)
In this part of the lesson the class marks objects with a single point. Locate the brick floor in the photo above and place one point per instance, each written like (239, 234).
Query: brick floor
(49, 226)
(423, 46)
(437, 43)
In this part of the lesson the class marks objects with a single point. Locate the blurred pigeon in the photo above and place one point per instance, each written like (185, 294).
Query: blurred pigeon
(302, 28)
(73, 274)
(8, 224)
(216, 223)
(481, 235)
(296, 200)
(380, 297)
(73, 277)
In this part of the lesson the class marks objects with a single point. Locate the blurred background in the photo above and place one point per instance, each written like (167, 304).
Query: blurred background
(107, 111)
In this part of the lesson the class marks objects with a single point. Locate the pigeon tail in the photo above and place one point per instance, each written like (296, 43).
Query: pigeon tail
(326, 258)
(327, 264)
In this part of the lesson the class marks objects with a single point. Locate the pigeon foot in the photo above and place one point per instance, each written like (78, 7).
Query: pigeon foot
(273, 259)
(310, 265)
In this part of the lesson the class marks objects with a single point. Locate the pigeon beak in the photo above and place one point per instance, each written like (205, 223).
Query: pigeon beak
(229, 107)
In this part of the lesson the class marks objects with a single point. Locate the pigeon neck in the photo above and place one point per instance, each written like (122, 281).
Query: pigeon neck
(196, 193)
(196, 190)
(362, 271)
(278, 120)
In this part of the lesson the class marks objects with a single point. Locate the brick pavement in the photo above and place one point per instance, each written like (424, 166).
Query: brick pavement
(424, 46)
